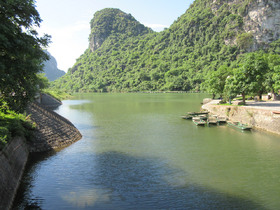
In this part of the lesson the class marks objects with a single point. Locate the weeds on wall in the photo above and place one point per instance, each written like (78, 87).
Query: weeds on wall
(13, 124)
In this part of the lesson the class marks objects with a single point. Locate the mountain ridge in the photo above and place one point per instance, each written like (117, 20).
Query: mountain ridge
(50, 68)
(209, 34)
(109, 21)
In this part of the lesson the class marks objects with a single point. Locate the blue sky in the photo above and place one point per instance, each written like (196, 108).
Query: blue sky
(67, 21)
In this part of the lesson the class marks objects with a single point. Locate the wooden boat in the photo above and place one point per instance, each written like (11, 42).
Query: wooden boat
(198, 113)
(221, 119)
(239, 125)
(203, 117)
(198, 121)
(212, 120)
(187, 117)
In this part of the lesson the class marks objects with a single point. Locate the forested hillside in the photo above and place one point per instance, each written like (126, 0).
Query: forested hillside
(123, 55)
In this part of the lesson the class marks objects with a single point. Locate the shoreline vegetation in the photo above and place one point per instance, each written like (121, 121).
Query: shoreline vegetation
(13, 124)
(57, 94)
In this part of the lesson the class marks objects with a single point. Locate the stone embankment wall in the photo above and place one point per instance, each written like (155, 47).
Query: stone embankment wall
(259, 118)
(53, 131)
(49, 102)
(13, 159)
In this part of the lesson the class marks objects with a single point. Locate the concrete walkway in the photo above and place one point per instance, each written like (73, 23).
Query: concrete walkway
(265, 105)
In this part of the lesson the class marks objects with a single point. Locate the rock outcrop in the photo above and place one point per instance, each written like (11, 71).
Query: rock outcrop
(261, 19)
(113, 21)
(50, 68)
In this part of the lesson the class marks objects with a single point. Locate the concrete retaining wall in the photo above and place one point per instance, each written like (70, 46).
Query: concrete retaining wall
(13, 159)
(259, 118)
(53, 131)
(49, 102)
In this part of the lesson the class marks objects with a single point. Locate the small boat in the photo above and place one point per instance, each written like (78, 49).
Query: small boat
(187, 117)
(221, 119)
(197, 113)
(239, 125)
(212, 120)
(203, 116)
(198, 121)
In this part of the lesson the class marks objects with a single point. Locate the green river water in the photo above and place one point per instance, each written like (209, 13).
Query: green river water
(137, 153)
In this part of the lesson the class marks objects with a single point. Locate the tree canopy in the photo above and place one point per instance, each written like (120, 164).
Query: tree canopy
(21, 53)
(251, 74)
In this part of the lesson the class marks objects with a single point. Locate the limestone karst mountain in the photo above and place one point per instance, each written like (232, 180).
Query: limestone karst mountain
(124, 55)
(50, 68)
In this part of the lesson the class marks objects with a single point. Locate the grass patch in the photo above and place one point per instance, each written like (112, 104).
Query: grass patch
(247, 97)
(13, 124)
(57, 94)
(228, 104)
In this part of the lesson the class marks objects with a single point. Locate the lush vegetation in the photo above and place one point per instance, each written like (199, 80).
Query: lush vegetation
(57, 94)
(21, 58)
(179, 58)
(251, 74)
(21, 53)
(13, 124)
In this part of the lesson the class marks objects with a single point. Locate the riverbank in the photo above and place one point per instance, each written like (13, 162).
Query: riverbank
(52, 132)
(261, 115)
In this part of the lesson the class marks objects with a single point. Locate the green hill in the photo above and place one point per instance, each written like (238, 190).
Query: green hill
(124, 55)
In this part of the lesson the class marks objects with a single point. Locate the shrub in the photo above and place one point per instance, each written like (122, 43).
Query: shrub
(13, 124)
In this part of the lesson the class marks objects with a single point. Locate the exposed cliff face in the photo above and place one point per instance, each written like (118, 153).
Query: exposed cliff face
(113, 21)
(261, 19)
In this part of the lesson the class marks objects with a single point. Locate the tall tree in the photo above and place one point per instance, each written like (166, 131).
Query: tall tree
(21, 53)
(249, 77)
(272, 83)
(215, 81)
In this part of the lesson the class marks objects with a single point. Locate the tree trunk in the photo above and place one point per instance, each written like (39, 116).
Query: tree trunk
(243, 98)
(260, 95)
(273, 95)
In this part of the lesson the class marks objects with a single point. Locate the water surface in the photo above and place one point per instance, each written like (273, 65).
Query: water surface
(136, 153)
